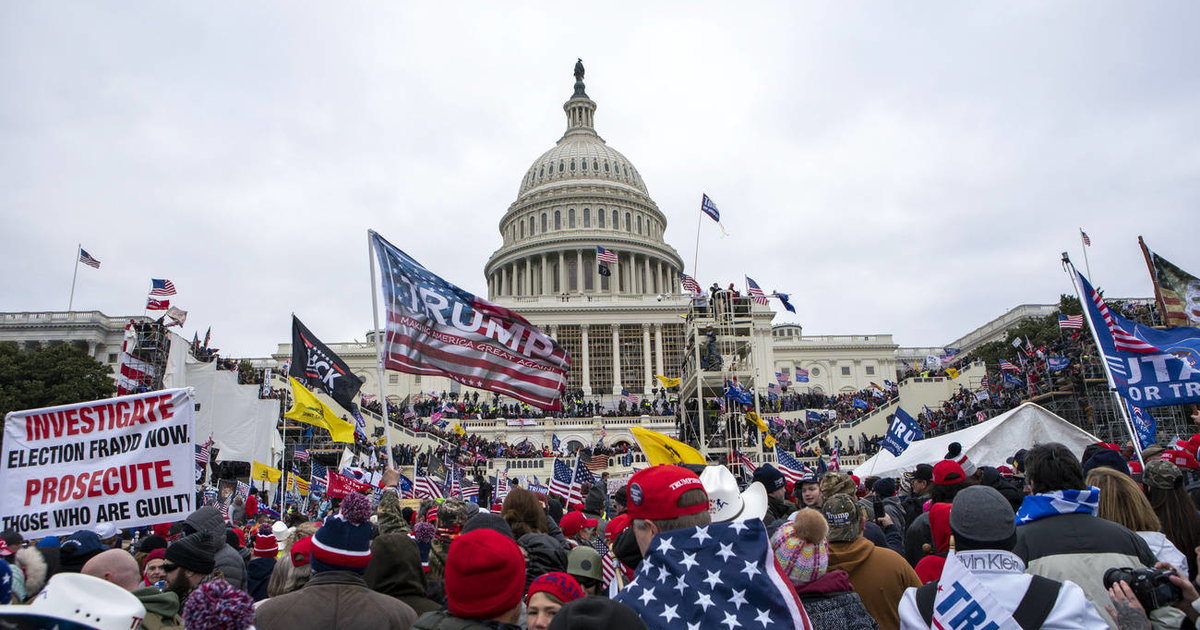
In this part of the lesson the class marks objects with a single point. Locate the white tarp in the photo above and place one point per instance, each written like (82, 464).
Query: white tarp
(985, 444)
(241, 424)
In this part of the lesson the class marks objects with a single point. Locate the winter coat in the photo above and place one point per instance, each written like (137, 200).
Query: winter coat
(1080, 547)
(395, 570)
(546, 555)
(777, 509)
(832, 604)
(879, 577)
(1165, 550)
(442, 620)
(229, 561)
(162, 609)
(916, 537)
(334, 599)
(893, 506)
(1009, 490)
(258, 575)
(389, 515)
(913, 508)
(34, 571)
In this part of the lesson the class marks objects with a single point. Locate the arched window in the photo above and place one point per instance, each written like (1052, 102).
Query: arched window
(595, 165)
(628, 222)
(543, 222)
(531, 226)
(605, 166)
(639, 224)
(616, 221)
(522, 229)
(572, 165)
(557, 220)
(541, 171)
(571, 218)
(584, 164)
(587, 218)
(600, 217)
(560, 166)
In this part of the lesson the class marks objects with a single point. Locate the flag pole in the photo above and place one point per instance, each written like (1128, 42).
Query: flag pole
(1112, 387)
(695, 256)
(79, 248)
(1162, 307)
(1086, 264)
(383, 402)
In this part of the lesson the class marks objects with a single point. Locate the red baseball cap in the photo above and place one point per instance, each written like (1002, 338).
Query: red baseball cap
(616, 526)
(1181, 458)
(573, 522)
(654, 493)
(948, 472)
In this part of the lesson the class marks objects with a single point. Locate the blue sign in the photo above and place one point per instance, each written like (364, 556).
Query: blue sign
(1057, 363)
(903, 432)
(1144, 425)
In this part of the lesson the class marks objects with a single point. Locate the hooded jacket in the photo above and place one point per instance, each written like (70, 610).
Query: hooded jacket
(878, 575)
(229, 561)
(832, 604)
(162, 609)
(545, 555)
(395, 570)
(258, 575)
(33, 568)
(389, 516)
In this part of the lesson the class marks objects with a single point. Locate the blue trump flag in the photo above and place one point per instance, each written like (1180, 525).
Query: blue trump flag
(1148, 367)
(903, 432)
(1012, 381)
(1144, 425)
(860, 403)
(814, 416)
(1057, 363)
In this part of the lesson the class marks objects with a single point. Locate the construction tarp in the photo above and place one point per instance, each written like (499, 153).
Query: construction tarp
(988, 443)
(241, 424)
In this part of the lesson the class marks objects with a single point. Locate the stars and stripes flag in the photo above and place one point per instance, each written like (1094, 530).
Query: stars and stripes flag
(426, 487)
(1005, 365)
(501, 485)
(609, 565)
(582, 473)
(746, 462)
(604, 255)
(203, 452)
(835, 460)
(980, 416)
(598, 461)
(801, 375)
(1070, 322)
(318, 472)
(560, 482)
(161, 287)
(157, 305)
(719, 575)
(456, 482)
(1087, 241)
(87, 259)
(689, 284)
(471, 492)
(791, 467)
(300, 454)
(1122, 339)
(756, 292)
(628, 397)
(436, 328)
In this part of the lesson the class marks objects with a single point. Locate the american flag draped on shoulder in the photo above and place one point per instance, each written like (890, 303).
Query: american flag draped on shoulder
(436, 328)
(722, 575)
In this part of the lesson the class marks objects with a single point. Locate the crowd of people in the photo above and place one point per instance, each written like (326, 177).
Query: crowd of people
(1052, 538)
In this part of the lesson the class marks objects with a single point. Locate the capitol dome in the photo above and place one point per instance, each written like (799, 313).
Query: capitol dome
(579, 195)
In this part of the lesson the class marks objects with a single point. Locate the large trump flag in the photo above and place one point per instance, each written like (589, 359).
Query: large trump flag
(436, 328)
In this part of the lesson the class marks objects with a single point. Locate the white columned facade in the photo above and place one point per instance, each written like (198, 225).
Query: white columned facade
(646, 358)
(587, 363)
(658, 349)
(616, 355)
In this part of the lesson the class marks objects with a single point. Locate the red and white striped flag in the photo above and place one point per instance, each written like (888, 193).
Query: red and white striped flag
(689, 283)
(1087, 242)
(1122, 339)
(756, 292)
(605, 255)
(609, 563)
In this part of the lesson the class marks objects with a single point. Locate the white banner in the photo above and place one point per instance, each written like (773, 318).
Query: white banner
(128, 461)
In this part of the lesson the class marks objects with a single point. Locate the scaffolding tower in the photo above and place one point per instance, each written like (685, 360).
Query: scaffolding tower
(720, 348)
(151, 345)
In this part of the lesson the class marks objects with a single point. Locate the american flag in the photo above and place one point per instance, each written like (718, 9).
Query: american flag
(756, 293)
(318, 472)
(582, 473)
(202, 452)
(791, 467)
(470, 491)
(689, 283)
(1122, 339)
(161, 287)
(560, 482)
(598, 461)
(628, 397)
(773, 388)
(87, 259)
(801, 375)
(980, 416)
(157, 305)
(300, 454)
(719, 575)
(609, 564)
(426, 487)
(1005, 365)
(1070, 322)
(456, 482)
(835, 461)
(605, 255)
(223, 508)
(501, 485)
(528, 365)
(1086, 240)
(746, 461)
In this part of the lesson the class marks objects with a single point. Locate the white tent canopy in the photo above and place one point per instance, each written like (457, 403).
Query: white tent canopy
(241, 425)
(985, 444)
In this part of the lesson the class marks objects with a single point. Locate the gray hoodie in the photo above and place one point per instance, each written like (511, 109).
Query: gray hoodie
(229, 561)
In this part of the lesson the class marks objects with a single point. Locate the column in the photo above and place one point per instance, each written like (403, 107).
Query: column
(528, 276)
(646, 358)
(503, 273)
(587, 363)
(91, 349)
(562, 273)
(616, 354)
(658, 349)
(545, 274)
(579, 270)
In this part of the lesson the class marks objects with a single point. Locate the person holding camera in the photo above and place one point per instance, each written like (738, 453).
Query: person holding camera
(1133, 591)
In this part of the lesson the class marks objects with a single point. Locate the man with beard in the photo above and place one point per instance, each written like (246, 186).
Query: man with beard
(190, 562)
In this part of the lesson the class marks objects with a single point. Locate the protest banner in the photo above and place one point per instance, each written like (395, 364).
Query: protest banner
(126, 461)
(341, 485)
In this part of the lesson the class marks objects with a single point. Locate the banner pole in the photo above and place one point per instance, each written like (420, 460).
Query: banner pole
(1112, 387)
(695, 256)
(383, 402)
(78, 249)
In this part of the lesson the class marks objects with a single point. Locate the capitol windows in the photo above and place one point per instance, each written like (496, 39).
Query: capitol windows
(583, 164)
(639, 224)
(571, 218)
(628, 222)
(845, 371)
(870, 370)
(531, 226)
(606, 166)
(543, 222)
(600, 217)
(560, 166)
(595, 165)
(587, 218)
(557, 220)
(572, 165)
(541, 171)
(522, 229)
(616, 221)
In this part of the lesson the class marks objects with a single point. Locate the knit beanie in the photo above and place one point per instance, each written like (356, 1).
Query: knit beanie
(193, 552)
(596, 613)
(148, 544)
(343, 543)
(981, 518)
(955, 454)
(218, 606)
(885, 487)
(485, 520)
(485, 575)
(1105, 458)
(801, 548)
(562, 586)
(265, 543)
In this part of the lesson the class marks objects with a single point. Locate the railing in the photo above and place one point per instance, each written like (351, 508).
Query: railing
(886, 407)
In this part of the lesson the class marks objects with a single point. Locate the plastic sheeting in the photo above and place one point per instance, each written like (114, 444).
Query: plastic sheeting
(985, 444)
(241, 424)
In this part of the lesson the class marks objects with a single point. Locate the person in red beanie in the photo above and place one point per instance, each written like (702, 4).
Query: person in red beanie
(546, 595)
(948, 479)
(485, 581)
(258, 570)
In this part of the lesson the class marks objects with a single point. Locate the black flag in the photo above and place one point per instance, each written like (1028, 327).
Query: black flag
(317, 367)
(604, 270)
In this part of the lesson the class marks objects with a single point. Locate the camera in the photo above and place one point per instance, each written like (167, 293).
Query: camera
(1152, 587)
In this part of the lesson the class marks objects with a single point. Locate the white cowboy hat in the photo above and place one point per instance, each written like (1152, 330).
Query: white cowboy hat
(726, 502)
(85, 600)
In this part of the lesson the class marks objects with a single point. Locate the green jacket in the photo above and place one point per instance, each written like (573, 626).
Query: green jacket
(162, 609)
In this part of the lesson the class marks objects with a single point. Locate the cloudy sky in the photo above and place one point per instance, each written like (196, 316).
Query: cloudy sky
(906, 168)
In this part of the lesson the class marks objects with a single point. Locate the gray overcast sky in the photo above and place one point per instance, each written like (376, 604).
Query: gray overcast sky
(913, 168)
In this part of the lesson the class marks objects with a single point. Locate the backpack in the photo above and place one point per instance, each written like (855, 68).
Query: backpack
(1030, 614)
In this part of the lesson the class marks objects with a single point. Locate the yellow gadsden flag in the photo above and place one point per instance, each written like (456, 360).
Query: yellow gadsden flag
(263, 472)
(660, 449)
(307, 408)
(952, 373)
(667, 381)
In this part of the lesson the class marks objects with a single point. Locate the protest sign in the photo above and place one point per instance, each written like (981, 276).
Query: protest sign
(341, 485)
(125, 461)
